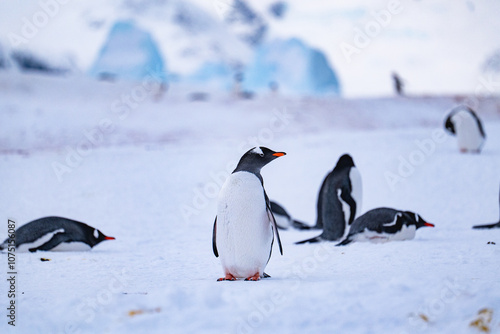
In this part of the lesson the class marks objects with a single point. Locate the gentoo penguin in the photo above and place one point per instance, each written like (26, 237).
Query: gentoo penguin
(385, 224)
(243, 228)
(463, 122)
(494, 225)
(339, 200)
(56, 234)
(284, 220)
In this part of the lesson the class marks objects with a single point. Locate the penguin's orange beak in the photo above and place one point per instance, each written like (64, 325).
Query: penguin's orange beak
(109, 238)
(429, 224)
(279, 154)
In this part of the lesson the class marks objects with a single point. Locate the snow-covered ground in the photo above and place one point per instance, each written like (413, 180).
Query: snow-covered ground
(148, 172)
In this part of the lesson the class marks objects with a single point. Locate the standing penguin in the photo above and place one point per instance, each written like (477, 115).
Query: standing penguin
(463, 122)
(398, 83)
(56, 234)
(339, 200)
(243, 228)
(385, 224)
(494, 225)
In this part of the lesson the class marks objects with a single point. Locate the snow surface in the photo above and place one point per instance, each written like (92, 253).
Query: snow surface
(148, 173)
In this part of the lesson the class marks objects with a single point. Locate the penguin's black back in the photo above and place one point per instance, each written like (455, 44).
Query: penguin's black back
(37, 228)
(374, 220)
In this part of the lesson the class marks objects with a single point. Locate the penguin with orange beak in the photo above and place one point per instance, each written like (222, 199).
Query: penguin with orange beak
(244, 228)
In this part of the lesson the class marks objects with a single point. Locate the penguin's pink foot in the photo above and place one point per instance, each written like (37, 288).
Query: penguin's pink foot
(255, 277)
(228, 277)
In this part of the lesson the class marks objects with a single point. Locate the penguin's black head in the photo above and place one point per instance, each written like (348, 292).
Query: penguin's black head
(417, 220)
(256, 158)
(345, 161)
(97, 237)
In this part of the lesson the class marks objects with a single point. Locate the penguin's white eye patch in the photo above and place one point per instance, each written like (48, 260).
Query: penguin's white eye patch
(96, 234)
(258, 151)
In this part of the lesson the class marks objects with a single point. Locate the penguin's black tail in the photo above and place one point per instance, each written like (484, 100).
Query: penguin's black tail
(487, 226)
(301, 226)
(347, 241)
(312, 240)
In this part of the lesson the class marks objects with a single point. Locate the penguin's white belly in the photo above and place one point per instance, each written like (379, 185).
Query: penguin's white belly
(75, 246)
(406, 233)
(469, 137)
(357, 189)
(244, 233)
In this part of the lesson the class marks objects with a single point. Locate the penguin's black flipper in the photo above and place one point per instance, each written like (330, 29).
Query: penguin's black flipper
(301, 226)
(346, 196)
(487, 226)
(312, 240)
(273, 222)
(56, 240)
(266, 275)
(214, 243)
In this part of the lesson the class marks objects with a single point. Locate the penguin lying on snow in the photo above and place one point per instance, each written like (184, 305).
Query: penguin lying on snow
(463, 122)
(243, 229)
(385, 224)
(339, 200)
(284, 220)
(56, 234)
(494, 225)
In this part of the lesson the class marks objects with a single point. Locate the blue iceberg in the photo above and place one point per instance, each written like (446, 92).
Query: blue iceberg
(129, 53)
(291, 67)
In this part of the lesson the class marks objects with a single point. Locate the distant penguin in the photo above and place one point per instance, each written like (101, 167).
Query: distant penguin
(339, 200)
(56, 234)
(398, 84)
(463, 122)
(385, 224)
(243, 229)
(284, 220)
(494, 225)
